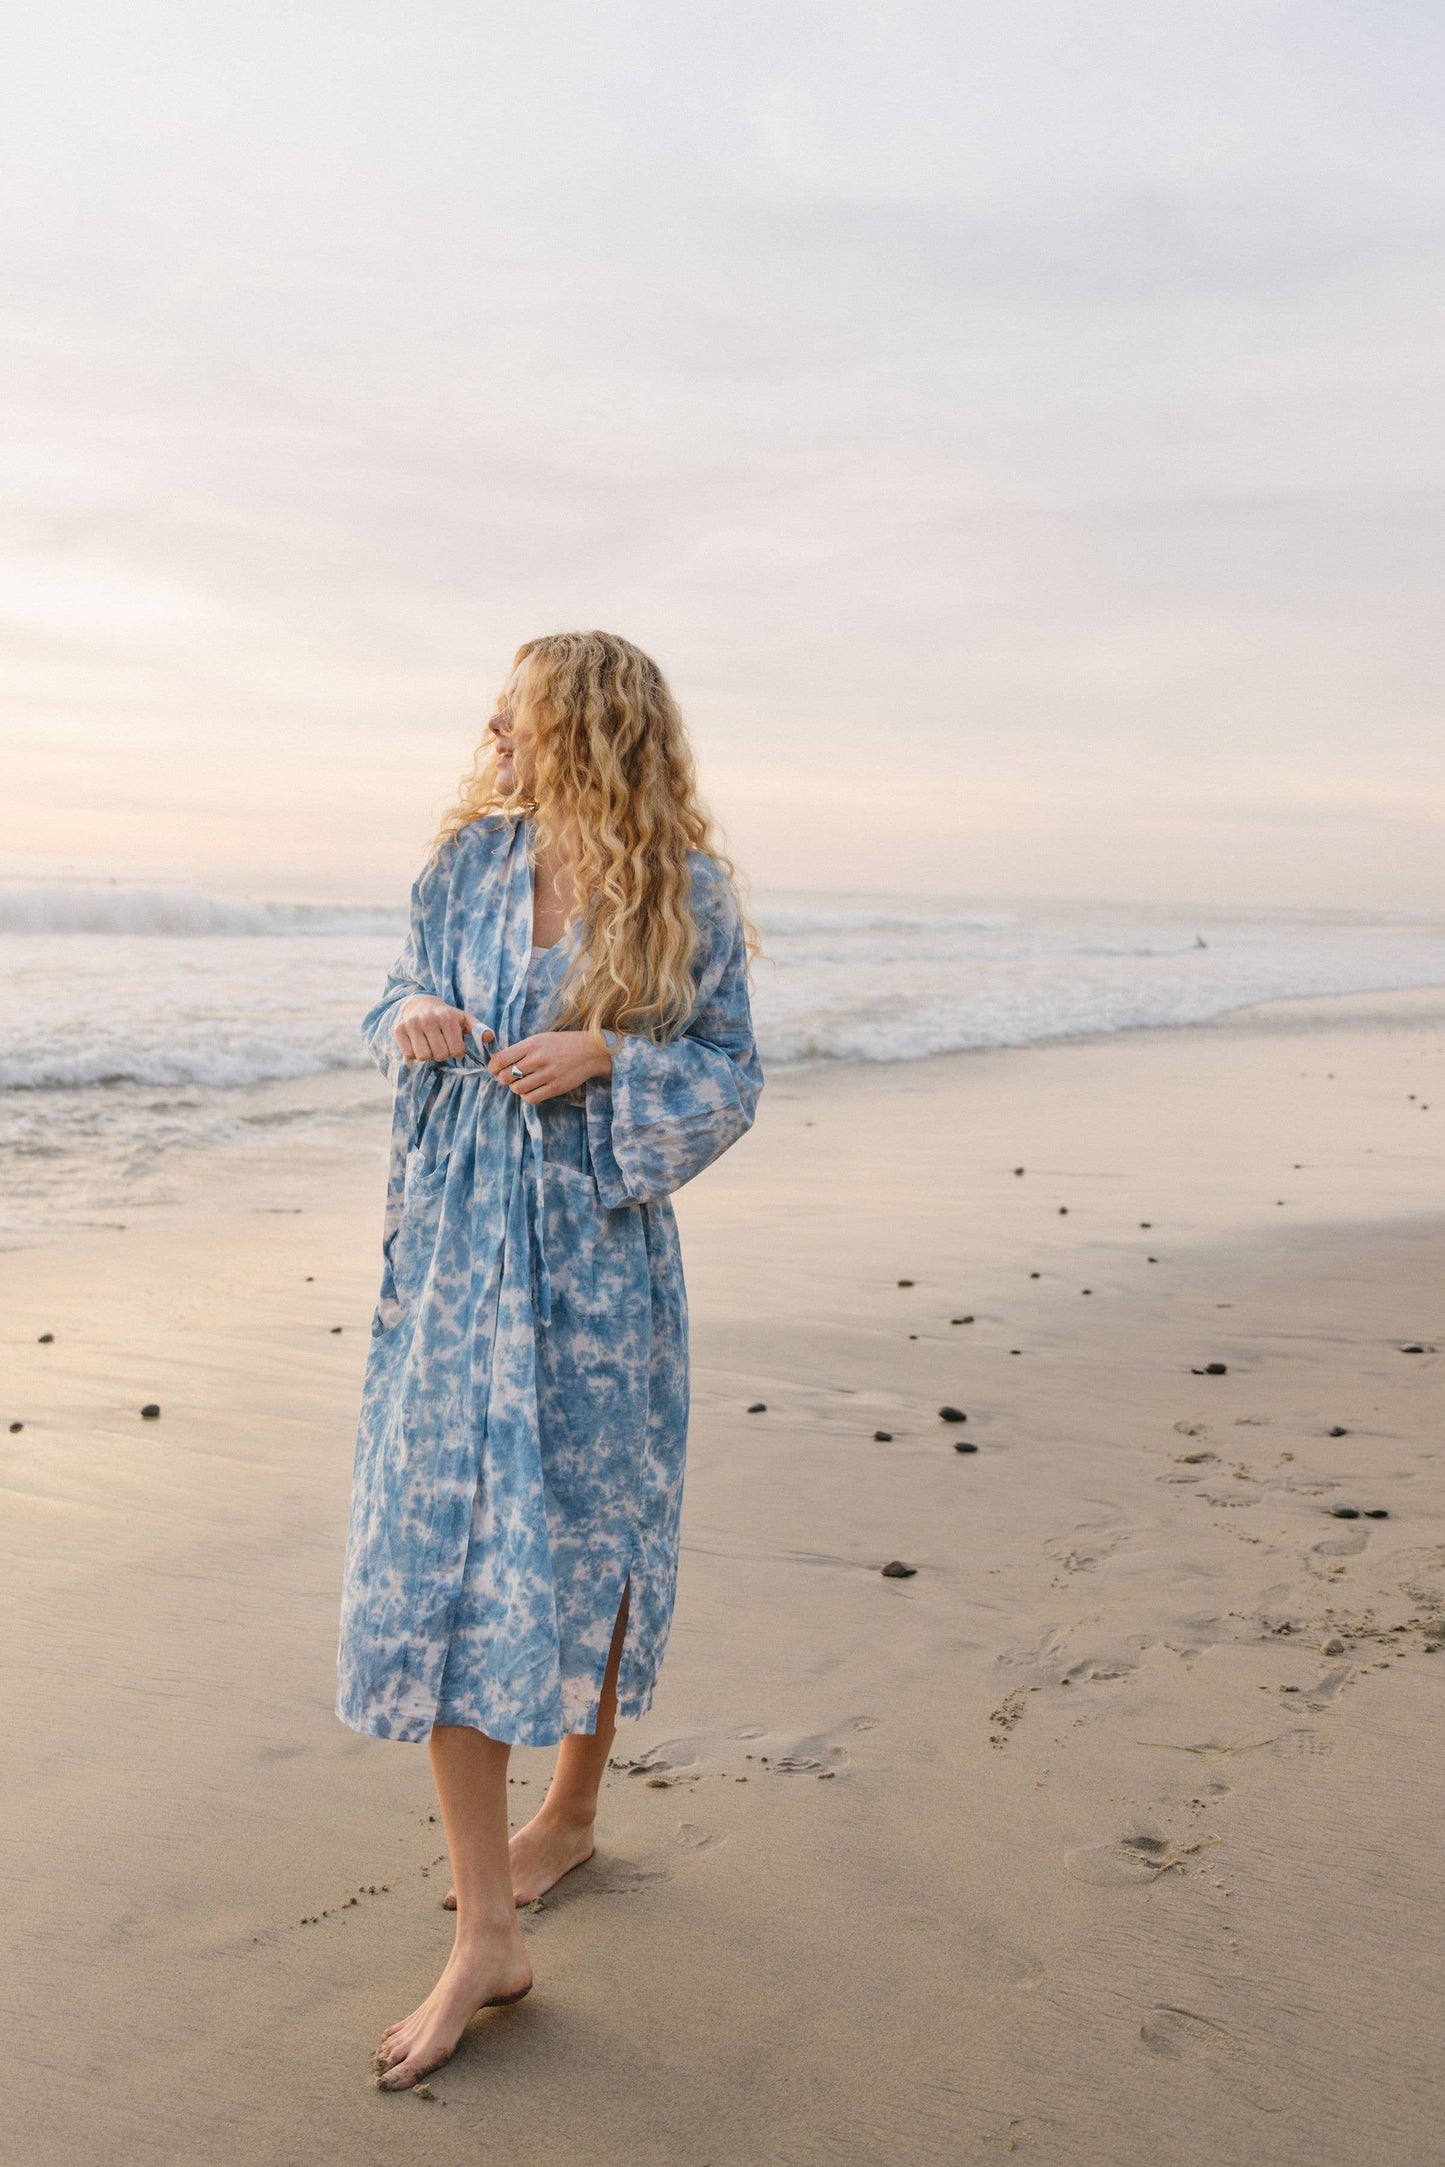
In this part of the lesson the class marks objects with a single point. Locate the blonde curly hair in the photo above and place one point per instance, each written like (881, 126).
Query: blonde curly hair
(614, 780)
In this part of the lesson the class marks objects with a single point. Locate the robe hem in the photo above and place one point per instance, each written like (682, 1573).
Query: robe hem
(411, 1734)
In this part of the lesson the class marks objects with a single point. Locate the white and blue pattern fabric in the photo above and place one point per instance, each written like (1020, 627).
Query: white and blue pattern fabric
(523, 1427)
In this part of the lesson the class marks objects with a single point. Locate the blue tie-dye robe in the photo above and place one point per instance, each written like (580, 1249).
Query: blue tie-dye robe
(524, 1418)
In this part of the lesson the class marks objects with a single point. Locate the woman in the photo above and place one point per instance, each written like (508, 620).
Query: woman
(568, 1026)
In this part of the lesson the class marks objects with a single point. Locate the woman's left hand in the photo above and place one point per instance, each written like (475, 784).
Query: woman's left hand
(551, 1063)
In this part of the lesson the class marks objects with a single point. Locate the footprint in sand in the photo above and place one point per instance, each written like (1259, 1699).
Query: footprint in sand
(610, 1878)
(1083, 1551)
(1343, 1546)
(1327, 1688)
(1169, 2029)
(1143, 1853)
(1300, 1745)
(808, 1757)
(693, 1837)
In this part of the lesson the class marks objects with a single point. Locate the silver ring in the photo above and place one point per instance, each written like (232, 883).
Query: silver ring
(517, 1075)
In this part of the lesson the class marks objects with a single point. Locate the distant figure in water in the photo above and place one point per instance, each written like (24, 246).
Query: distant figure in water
(569, 1032)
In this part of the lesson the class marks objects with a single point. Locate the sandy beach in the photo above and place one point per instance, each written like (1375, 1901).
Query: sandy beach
(1107, 1837)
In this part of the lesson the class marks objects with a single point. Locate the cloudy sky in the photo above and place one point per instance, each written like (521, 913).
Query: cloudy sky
(1015, 428)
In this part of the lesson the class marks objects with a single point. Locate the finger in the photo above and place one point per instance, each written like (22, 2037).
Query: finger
(436, 1038)
(508, 1056)
(479, 1031)
(451, 1024)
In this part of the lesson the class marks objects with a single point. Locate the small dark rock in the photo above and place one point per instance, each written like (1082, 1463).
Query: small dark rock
(1016, 1350)
(1036, 1275)
(895, 1569)
(1146, 1225)
(46, 1339)
(334, 1330)
(1376, 1512)
(16, 1426)
(1414, 1348)
(960, 1320)
(1211, 1369)
(1018, 1169)
(1151, 1260)
(905, 1282)
(952, 1414)
(1339, 1431)
(1086, 1290)
(964, 1444)
(150, 1410)
(311, 1279)
(1063, 1211)
(759, 1407)
(1344, 1512)
(883, 1437)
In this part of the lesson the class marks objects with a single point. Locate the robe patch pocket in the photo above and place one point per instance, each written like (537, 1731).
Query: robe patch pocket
(571, 1214)
(422, 1199)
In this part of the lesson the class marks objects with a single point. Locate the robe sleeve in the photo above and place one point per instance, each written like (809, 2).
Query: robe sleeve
(415, 969)
(668, 1111)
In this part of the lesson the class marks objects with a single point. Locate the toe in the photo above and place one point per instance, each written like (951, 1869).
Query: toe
(409, 2072)
(449, 1901)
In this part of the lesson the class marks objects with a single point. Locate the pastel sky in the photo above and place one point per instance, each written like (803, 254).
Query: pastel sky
(1015, 428)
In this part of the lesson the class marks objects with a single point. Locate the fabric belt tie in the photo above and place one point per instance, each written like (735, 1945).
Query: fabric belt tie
(428, 1083)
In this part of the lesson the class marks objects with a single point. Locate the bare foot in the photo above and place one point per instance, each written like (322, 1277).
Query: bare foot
(489, 1971)
(540, 1854)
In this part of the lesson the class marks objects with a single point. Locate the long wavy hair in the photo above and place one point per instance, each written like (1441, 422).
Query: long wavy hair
(614, 782)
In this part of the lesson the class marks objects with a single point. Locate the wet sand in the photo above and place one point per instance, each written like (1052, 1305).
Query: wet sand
(1085, 1841)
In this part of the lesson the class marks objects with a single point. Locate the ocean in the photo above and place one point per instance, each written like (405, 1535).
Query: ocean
(137, 1023)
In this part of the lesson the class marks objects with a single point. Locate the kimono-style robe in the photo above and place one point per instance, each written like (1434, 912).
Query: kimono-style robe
(523, 1426)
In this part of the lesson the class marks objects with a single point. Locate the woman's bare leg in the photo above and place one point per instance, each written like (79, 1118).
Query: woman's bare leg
(559, 1835)
(489, 1960)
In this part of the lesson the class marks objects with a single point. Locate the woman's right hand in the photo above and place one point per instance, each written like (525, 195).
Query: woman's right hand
(428, 1030)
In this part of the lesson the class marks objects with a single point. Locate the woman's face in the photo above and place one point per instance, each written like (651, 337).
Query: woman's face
(512, 738)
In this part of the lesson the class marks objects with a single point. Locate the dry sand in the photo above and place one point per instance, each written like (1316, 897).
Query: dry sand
(1073, 1845)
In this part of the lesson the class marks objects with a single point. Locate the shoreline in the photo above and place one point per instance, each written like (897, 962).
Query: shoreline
(1076, 1841)
(337, 1133)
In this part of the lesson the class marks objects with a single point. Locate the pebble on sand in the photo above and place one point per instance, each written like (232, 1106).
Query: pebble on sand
(1211, 1369)
(759, 1407)
(905, 1282)
(46, 1339)
(883, 1437)
(335, 1329)
(1344, 1512)
(960, 1320)
(1376, 1512)
(1339, 1431)
(952, 1414)
(1063, 1211)
(16, 1426)
(150, 1410)
(1414, 1347)
(964, 1444)
(895, 1569)
(1333, 1646)
(1018, 1169)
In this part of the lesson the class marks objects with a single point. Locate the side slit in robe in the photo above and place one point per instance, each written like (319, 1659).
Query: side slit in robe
(523, 1429)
